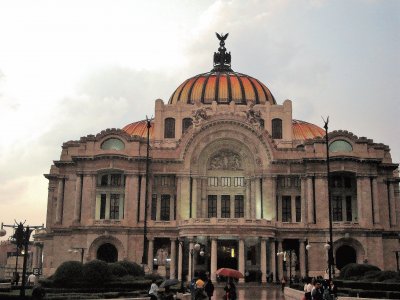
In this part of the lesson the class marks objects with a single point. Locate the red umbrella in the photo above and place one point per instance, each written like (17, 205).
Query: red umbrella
(229, 273)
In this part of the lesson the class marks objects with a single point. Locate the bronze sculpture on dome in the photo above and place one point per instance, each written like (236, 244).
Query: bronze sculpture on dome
(222, 59)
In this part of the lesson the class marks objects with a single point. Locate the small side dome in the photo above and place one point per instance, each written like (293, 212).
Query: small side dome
(139, 128)
(304, 130)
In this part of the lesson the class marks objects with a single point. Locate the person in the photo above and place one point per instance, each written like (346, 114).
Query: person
(16, 278)
(307, 289)
(153, 290)
(168, 294)
(283, 283)
(209, 288)
(316, 293)
(332, 290)
(230, 290)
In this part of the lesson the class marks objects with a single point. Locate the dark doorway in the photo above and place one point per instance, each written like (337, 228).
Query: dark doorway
(108, 253)
(345, 255)
(227, 254)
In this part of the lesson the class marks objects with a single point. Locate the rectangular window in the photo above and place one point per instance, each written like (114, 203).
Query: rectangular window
(212, 206)
(298, 209)
(239, 206)
(225, 181)
(165, 207)
(116, 179)
(212, 181)
(349, 213)
(225, 206)
(103, 201)
(154, 207)
(114, 206)
(337, 208)
(296, 182)
(238, 181)
(167, 181)
(286, 209)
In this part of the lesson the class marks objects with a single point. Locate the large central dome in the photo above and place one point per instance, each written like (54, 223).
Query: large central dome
(222, 84)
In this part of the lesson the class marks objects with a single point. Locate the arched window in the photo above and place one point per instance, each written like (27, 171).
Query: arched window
(169, 128)
(276, 128)
(340, 146)
(113, 144)
(186, 123)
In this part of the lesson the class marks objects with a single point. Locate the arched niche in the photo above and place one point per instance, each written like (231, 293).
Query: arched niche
(106, 239)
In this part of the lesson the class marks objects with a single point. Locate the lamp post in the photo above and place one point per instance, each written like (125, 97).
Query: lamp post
(76, 250)
(330, 248)
(289, 253)
(21, 237)
(146, 195)
(196, 248)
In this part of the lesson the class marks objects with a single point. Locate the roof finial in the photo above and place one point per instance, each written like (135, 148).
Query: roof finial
(222, 59)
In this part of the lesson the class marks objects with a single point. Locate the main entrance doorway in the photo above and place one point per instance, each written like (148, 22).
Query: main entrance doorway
(345, 255)
(227, 254)
(108, 253)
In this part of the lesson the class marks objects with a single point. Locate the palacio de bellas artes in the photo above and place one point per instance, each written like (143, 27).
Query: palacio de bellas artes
(223, 176)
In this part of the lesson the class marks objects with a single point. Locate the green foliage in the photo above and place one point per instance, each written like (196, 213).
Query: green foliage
(96, 272)
(355, 271)
(388, 275)
(131, 267)
(117, 270)
(68, 272)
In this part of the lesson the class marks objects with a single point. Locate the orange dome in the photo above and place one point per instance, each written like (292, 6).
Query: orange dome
(139, 128)
(223, 87)
(304, 130)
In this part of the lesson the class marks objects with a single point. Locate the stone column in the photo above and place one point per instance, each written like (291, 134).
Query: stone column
(302, 257)
(78, 198)
(60, 194)
(266, 210)
(213, 258)
(194, 197)
(263, 260)
(280, 262)
(253, 198)
(241, 259)
(172, 266)
(180, 260)
(272, 255)
(257, 198)
(273, 198)
(375, 200)
(360, 217)
(310, 200)
(132, 207)
(150, 254)
(204, 213)
(393, 208)
(247, 202)
(304, 217)
(191, 259)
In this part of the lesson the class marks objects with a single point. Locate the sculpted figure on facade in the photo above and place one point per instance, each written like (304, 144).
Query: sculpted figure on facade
(199, 115)
(226, 160)
(162, 255)
(253, 116)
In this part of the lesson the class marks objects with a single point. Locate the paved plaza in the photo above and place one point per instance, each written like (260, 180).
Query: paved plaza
(252, 292)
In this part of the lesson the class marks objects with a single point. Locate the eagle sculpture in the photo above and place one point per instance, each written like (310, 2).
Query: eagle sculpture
(221, 36)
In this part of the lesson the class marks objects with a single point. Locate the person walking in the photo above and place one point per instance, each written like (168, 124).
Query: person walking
(153, 290)
(209, 288)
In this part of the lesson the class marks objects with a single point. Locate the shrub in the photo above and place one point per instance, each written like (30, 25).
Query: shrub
(387, 275)
(96, 272)
(68, 272)
(131, 267)
(117, 270)
(356, 270)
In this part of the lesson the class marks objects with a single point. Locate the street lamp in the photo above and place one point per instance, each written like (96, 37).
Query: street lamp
(330, 248)
(327, 247)
(196, 248)
(21, 238)
(284, 254)
(76, 250)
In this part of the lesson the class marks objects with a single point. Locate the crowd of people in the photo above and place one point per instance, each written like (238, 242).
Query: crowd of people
(319, 289)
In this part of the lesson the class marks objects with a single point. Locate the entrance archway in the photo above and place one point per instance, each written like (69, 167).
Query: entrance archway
(107, 252)
(345, 255)
(227, 254)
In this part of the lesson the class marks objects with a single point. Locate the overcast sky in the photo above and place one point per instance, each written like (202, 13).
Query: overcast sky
(73, 68)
